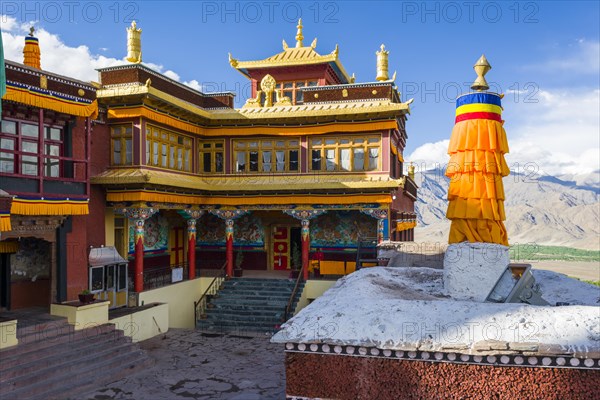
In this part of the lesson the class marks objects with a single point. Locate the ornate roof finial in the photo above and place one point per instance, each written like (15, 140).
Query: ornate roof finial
(411, 171)
(31, 51)
(481, 67)
(382, 64)
(299, 36)
(134, 43)
(285, 45)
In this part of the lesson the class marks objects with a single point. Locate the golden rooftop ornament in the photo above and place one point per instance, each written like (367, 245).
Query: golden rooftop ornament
(382, 64)
(481, 67)
(134, 43)
(299, 36)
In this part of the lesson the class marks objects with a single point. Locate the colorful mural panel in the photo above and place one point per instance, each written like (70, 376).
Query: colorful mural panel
(341, 229)
(248, 231)
(156, 235)
(32, 261)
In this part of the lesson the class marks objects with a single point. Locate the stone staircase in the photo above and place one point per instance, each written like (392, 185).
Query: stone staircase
(54, 361)
(249, 306)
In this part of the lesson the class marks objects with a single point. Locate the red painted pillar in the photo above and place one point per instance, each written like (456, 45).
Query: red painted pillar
(305, 247)
(191, 223)
(229, 246)
(139, 256)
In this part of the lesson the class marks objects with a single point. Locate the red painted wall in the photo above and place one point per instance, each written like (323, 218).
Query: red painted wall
(77, 256)
(25, 294)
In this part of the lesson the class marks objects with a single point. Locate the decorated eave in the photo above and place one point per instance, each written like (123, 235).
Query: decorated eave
(295, 56)
(42, 89)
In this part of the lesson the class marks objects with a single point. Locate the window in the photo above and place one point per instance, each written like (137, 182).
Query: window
(293, 90)
(20, 152)
(345, 154)
(211, 156)
(122, 145)
(266, 155)
(167, 149)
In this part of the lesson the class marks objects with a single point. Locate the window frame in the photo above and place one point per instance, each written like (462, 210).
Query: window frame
(172, 149)
(122, 139)
(212, 150)
(262, 147)
(338, 146)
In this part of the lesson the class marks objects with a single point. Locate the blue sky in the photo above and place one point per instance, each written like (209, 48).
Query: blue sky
(545, 57)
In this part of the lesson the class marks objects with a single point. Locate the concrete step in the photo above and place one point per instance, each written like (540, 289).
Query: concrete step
(28, 351)
(34, 361)
(250, 302)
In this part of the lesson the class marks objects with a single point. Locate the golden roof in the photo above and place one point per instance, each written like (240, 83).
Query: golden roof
(247, 182)
(293, 56)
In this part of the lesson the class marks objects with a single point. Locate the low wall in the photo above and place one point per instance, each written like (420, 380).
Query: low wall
(312, 290)
(144, 324)
(358, 377)
(180, 298)
(82, 315)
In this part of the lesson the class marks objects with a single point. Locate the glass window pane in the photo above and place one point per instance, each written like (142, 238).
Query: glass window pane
(7, 163)
(288, 85)
(7, 144)
(293, 160)
(218, 162)
(344, 141)
(122, 277)
(172, 157)
(219, 145)
(373, 158)
(29, 147)
(293, 143)
(128, 151)
(29, 165)
(299, 96)
(128, 130)
(345, 159)
(116, 151)
(52, 133)
(330, 159)
(186, 160)
(240, 161)
(180, 158)
(51, 168)
(300, 84)
(9, 127)
(52, 150)
(253, 145)
(330, 141)
(266, 161)
(29, 130)
(358, 141)
(313, 83)
(316, 160)
(155, 153)
(206, 145)
(359, 159)
(280, 144)
(97, 278)
(254, 161)
(373, 140)
(317, 142)
(164, 155)
(266, 144)
(115, 130)
(206, 161)
(280, 159)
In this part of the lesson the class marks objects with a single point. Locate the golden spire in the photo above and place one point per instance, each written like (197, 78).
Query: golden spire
(411, 171)
(299, 36)
(134, 43)
(31, 51)
(382, 64)
(481, 67)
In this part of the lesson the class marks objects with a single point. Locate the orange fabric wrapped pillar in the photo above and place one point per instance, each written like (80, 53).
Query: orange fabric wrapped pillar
(476, 167)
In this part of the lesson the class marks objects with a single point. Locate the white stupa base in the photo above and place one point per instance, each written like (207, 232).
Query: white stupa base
(472, 269)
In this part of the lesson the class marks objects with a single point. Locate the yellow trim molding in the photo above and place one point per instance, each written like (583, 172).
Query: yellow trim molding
(49, 207)
(9, 247)
(40, 100)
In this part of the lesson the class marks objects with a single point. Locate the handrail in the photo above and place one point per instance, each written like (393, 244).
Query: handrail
(211, 290)
(290, 302)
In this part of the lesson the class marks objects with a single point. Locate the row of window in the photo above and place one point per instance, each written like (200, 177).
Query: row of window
(167, 149)
(20, 148)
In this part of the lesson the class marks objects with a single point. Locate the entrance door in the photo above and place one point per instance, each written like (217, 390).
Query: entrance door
(177, 246)
(281, 247)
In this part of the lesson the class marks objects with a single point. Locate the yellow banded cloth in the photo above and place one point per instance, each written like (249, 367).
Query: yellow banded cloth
(45, 206)
(476, 167)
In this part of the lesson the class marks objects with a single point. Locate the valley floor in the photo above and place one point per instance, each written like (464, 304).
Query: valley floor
(589, 271)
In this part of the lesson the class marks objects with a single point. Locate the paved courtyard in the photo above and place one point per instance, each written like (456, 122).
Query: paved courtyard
(191, 365)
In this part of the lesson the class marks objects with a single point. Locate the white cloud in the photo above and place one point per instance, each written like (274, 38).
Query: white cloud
(560, 134)
(56, 56)
(582, 57)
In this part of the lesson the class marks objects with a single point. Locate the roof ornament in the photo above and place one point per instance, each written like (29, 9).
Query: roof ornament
(267, 85)
(31, 31)
(285, 45)
(336, 50)
(232, 61)
(314, 43)
(481, 67)
(31, 51)
(299, 36)
(382, 64)
(352, 78)
(134, 43)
